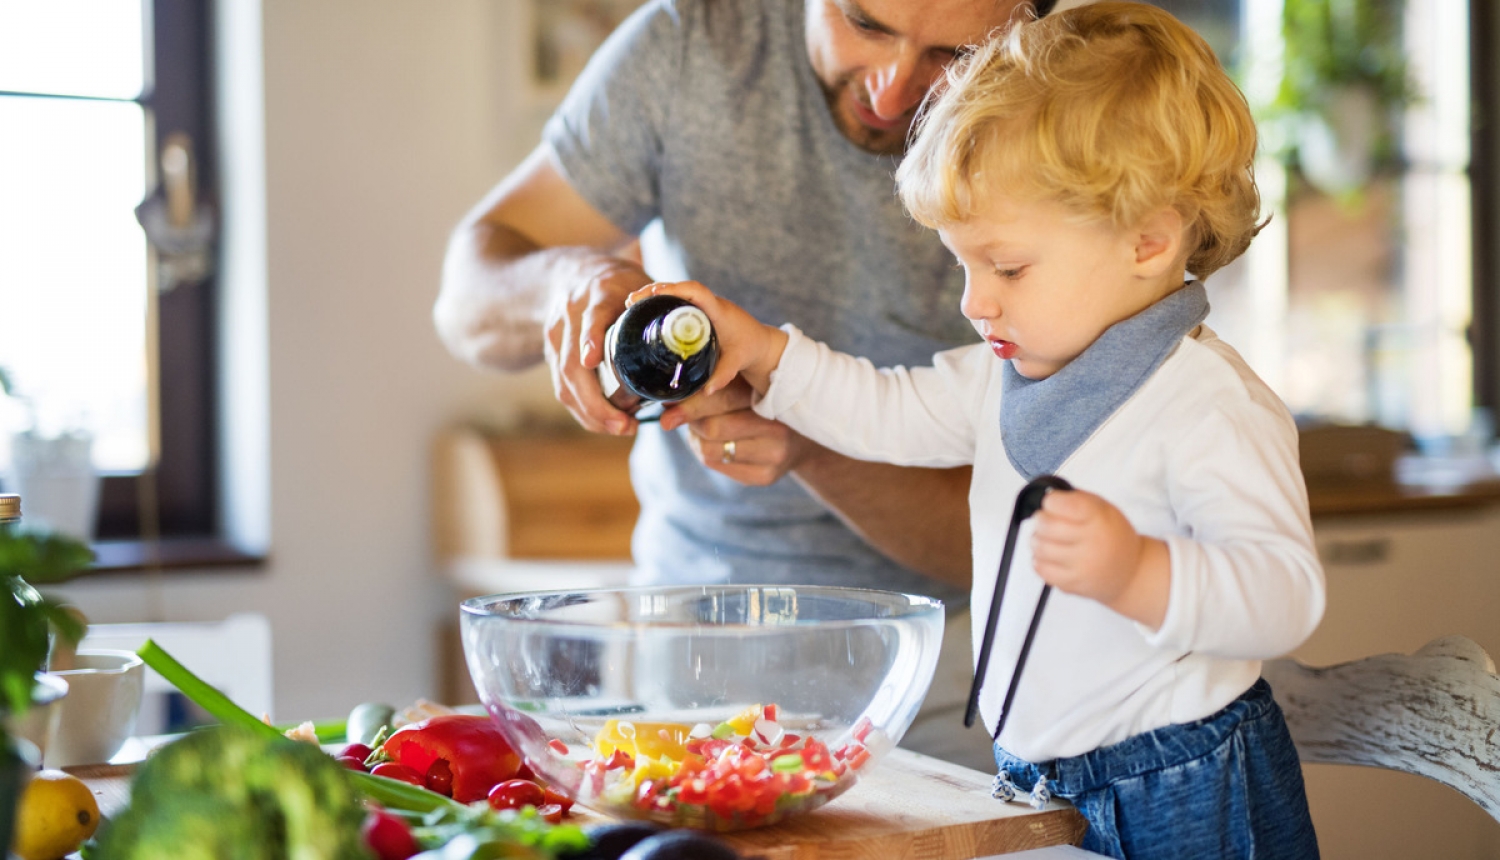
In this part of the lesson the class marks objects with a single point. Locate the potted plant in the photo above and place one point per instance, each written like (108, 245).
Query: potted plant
(30, 623)
(52, 466)
(1345, 81)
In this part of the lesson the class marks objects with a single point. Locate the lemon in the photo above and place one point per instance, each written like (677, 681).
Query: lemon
(652, 740)
(57, 812)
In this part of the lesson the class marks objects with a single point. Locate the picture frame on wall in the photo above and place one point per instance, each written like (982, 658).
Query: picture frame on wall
(566, 33)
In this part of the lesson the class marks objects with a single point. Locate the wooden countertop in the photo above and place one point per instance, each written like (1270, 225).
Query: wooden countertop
(907, 806)
(568, 495)
(1355, 499)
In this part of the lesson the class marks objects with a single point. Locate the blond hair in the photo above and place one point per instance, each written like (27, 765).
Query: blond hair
(1114, 109)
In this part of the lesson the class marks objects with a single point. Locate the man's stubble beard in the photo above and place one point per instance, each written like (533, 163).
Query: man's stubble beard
(870, 140)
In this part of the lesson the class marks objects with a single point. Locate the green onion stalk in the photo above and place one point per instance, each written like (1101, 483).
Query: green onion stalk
(390, 793)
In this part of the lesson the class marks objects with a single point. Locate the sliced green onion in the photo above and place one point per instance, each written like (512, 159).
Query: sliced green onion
(787, 763)
(723, 732)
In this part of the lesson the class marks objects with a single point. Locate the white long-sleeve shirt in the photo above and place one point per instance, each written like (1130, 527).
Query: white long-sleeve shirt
(1203, 455)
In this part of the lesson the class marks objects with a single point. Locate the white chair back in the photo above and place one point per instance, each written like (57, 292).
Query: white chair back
(1435, 713)
(233, 655)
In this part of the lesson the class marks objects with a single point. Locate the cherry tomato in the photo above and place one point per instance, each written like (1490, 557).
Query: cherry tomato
(359, 751)
(558, 798)
(516, 793)
(388, 836)
(351, 762)
(551, 813)
(392, 770)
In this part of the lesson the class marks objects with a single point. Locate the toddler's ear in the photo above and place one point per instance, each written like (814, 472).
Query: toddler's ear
(1158, 243)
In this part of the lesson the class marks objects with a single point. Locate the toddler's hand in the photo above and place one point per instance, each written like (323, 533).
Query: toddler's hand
(1085, 546)
(747, 346)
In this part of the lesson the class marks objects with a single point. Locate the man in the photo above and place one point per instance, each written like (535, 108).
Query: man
(750, 145)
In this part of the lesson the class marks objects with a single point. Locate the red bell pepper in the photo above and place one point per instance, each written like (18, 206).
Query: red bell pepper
(470, 746)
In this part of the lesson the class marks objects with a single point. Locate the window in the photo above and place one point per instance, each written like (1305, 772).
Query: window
(90, 91)
(1364, 300)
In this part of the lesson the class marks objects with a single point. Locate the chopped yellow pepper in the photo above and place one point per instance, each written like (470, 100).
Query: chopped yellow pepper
(642, 740)
(744, 721)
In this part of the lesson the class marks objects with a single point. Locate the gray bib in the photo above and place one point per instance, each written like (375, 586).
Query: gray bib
(1043, 421)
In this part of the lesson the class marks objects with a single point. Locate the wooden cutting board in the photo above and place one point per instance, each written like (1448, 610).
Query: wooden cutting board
(913, 807)
(909, 807)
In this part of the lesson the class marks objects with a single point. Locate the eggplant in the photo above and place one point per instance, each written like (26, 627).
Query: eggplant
(681, 845)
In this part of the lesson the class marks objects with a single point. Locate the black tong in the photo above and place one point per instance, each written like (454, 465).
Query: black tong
(1028, 502)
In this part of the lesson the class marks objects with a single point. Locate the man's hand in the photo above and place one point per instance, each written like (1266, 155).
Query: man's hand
(1085, 546)
(729, 438)
(575, 325)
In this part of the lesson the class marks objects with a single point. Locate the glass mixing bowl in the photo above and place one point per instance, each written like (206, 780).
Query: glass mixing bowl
(718, 707)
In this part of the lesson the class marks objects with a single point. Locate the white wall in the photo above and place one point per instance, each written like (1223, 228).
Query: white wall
(383, 121)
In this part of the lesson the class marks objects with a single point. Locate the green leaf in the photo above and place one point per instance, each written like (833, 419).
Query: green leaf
(23, 642)
(26, 617)
(66, 625)
(42, 557)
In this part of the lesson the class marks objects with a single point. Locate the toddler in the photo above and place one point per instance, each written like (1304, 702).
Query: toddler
(1088, 170)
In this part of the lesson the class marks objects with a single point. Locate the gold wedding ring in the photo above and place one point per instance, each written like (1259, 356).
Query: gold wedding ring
(727, 455)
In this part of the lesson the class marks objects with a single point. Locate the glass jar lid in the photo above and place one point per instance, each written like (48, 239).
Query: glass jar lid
(10, 508)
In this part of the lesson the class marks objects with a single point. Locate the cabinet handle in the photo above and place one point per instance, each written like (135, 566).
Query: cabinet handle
(1356, 552)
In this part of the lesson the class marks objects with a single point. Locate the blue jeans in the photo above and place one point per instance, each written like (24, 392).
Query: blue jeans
(1226, 786)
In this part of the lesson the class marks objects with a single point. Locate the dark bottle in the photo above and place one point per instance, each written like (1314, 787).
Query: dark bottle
(18, 756)
(662, 348)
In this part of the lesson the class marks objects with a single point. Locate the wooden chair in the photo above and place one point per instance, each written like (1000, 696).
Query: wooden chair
(526, 511)
(1435, 713)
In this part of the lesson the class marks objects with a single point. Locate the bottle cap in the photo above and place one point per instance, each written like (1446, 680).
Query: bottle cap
(685, 331)
(10, 508)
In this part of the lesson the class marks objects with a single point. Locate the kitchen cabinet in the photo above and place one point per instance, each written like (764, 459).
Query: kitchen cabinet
(1396, 581)
(522, 512)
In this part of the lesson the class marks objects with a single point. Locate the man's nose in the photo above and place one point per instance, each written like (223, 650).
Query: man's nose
(898, 85)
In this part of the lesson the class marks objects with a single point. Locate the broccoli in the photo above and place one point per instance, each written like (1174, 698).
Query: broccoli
(225, 792)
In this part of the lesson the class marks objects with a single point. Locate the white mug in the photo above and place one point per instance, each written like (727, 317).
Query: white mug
(39, 724)
(99, 712)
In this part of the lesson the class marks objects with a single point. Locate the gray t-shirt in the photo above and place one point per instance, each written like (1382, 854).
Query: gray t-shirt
(701, 125)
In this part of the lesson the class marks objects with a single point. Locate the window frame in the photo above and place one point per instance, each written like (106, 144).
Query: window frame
(169, 515)
(1484, 179)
